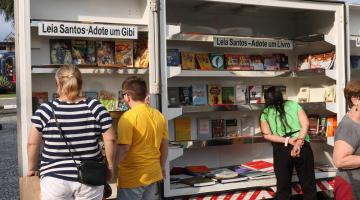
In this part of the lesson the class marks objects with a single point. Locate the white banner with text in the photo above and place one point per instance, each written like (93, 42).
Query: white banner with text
(239, 42)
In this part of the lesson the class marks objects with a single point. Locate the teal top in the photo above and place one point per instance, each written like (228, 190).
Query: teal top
(272, 117)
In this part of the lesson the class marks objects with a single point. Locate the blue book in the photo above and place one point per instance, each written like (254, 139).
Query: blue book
(173, 57)
(199, 94)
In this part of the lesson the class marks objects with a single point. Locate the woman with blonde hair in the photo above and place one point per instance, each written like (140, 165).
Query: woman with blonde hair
(71, 127)
(346, 155)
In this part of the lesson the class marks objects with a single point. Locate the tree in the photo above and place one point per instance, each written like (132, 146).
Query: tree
(7, 9)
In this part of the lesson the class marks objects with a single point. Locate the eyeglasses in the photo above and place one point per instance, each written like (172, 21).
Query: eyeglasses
(123, 94)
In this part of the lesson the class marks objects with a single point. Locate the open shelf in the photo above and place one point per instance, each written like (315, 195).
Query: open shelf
(90, 69)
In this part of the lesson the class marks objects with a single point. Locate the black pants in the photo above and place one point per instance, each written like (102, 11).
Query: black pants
(284, 165)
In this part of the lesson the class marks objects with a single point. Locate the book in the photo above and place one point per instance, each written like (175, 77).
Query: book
(124, 53)
(198, 181)
(331, 125)
(232, 129)
(187, 60)
(121, 105)
(173, 96)
(237, 62)
(259, 165)
(204, 129)
(241, 94)
(313, 125)
(79, 50)
(317, 94)
(60, 51)
(38, 98)
(141, 58)
(303, 62)
(218, 128)
(105, 53)
(223, 173)
(91, 94)
(255, 93)
(185, 96)
(256, 62)
(322, 61)
(238, 178)
(173, 57)
(182, 129)
(284, 62)
(197, 170)
(228, 95)
(303, 95)
(199, 93)
(326, 168)
(90, 52)
(214, 94)
(322, 126)
(217, 61)
(107, 99)
(271, 62)
(330, 93)
(203, 61)
(355, 62)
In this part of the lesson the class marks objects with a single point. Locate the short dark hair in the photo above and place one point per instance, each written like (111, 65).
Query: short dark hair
(135, 87)
(352, 89)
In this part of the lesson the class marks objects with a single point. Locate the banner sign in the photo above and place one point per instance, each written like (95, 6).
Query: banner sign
(239, 42)
(87, 30)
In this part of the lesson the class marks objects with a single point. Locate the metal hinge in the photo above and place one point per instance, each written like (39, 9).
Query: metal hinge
(154, 5)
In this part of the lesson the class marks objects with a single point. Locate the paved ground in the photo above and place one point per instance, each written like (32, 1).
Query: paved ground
(7, 101)
(9, 186)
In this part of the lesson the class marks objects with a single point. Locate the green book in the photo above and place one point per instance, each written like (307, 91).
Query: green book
(228, 95)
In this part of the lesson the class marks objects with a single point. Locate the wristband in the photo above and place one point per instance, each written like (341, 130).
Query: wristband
(286, 141)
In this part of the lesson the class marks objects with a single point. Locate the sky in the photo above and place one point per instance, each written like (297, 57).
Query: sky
(5, 28)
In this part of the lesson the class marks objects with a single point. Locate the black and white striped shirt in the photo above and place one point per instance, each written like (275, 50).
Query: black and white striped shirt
(82, 123)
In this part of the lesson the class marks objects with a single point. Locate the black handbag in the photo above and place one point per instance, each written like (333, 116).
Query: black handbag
(90, 172)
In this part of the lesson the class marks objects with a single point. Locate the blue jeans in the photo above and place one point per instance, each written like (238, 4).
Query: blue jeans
(147, 192)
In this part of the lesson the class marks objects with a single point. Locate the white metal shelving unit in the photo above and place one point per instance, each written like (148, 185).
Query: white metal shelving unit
(195, 31)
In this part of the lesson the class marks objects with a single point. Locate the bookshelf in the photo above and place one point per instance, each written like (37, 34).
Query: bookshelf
(91, 69)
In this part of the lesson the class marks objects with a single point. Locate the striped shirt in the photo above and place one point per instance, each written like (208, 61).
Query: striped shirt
(82, 123)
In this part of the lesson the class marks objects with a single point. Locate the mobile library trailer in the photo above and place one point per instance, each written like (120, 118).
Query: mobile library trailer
(209, 62)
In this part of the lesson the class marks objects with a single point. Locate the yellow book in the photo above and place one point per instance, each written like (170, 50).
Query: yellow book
(203, 61)
(182, 129)
(187, 60)
(215, 94)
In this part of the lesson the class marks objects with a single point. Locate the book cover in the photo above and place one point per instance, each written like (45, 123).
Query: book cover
(322, 126)
(242, 170)
(91, 94)
(107, 99)
(241, 94)
(238, 178)
(228, 95)
(182, 129)
(303, 62)
(173, 57)
(90, 52)
(60, 51)
(199, 93)
(204, 129)
(238, 62)
(185, 96)
(317, 95)
(198, 181)
(355, 62)
(322, 61)
(218, 128)
(331, 125)
(124, 53)
(203, 61)
(105, 53)
(303, 95)
(121, 105)
(256, 62)
(197, 169)
(188, 60)
(271, 62)
(217, 61)
(38, 98)
(259, 165)
(141, 53)
(284, 62)
(255, 92)
(313, 126)
(330, 93)
(173, 96)
(214, 94)
(79, 50)
(223, 173)
(232, 129)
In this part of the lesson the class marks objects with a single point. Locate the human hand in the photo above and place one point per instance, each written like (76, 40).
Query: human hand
(291, 141)
(163, 172)
(33, 173)
(295, 152)
(109, 173)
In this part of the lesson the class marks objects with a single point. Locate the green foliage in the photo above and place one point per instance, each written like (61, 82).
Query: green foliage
(5, 83)
(7, 9)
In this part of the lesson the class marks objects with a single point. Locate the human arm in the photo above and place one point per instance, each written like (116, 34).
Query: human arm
(343, 156)
(304, 123)
(122, 150)
(109, 138)
(268, 135)
(33, 150)
(164, 153)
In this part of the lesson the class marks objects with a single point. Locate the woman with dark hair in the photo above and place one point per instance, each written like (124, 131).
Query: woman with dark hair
(285, 124)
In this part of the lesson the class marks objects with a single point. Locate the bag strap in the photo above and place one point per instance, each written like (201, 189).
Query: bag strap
(62, 133)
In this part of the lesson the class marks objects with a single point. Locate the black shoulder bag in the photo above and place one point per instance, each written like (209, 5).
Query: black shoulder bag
(90, 172)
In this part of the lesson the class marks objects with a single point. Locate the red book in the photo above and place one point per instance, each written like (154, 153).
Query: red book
(259, 165)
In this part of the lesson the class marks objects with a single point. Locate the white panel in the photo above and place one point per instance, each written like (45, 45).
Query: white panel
(354, 20)
(107, 11)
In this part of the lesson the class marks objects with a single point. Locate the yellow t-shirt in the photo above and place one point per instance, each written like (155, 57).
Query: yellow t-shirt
(143, 128)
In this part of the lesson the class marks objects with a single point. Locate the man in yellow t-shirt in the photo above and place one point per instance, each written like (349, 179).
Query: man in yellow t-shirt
(142, 144)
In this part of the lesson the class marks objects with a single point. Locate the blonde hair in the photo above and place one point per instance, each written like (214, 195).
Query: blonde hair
(70, 81)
